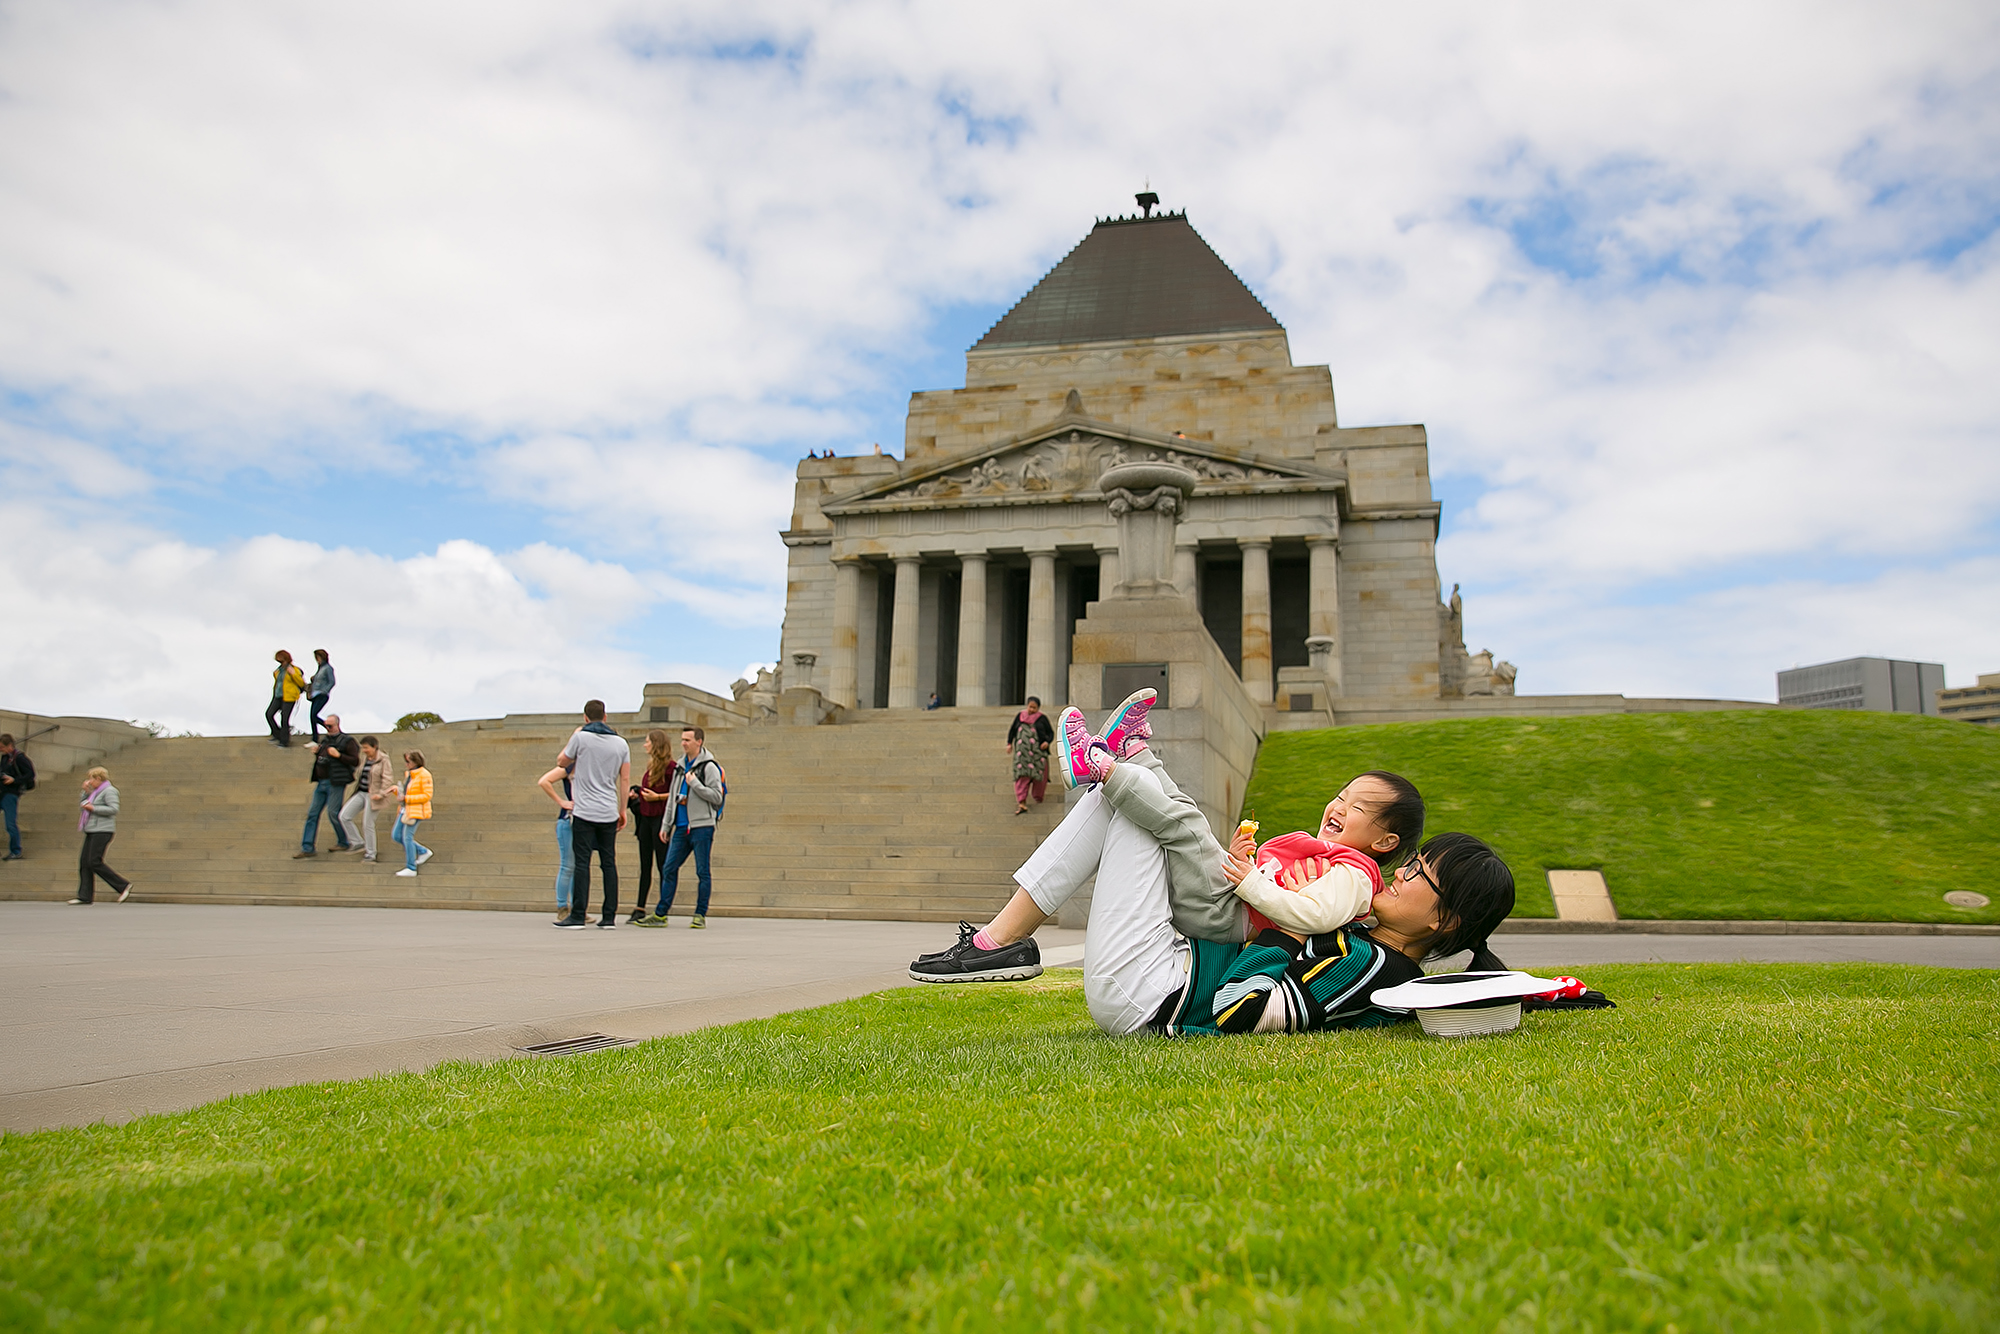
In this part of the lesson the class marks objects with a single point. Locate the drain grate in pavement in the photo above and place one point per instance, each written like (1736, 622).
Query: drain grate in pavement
(575, 1046)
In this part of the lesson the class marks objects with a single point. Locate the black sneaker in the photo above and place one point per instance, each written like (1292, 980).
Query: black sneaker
(607, 926)
(570, 923)
(966, 931)
(966, 962)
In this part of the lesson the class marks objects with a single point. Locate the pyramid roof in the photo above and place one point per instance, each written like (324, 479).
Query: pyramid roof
(1133, 278)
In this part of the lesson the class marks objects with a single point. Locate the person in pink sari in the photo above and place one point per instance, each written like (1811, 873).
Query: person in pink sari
(1028, 741)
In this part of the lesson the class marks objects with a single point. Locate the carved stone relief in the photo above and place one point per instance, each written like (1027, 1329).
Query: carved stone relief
(1069, 463)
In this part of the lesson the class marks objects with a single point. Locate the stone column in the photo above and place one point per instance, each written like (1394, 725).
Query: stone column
(903, 636)
(972, 630)
(1257, 618)
(1107, 571)
(840, 666)
(1323, 612)
(1186, 576)
(1041, 626)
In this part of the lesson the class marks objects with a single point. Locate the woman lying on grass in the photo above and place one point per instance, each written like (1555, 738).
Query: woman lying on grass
(1164, 948)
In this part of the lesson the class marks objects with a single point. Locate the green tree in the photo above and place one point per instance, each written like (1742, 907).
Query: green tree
(417, 722)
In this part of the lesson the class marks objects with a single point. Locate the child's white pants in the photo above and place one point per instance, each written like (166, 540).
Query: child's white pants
(1132, 957)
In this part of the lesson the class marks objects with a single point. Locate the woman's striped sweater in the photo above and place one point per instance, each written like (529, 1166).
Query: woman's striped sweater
(1327, 981)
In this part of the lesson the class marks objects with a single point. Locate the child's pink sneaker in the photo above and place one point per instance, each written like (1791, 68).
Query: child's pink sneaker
(1126, 731)
(1081, 756)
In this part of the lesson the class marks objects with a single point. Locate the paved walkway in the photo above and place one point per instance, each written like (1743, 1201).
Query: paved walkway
(118, 1010)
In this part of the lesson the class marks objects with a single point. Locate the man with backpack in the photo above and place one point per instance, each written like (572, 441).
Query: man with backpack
(335, 758)
(694, 799)
(17, 775)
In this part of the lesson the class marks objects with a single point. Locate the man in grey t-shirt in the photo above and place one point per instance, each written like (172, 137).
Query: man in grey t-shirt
(597, 793)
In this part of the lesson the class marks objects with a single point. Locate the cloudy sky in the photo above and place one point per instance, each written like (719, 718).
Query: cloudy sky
(477, 343)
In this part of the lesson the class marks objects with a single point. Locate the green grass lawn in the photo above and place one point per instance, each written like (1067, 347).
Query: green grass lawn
(1782, 1147)
(1765, 814)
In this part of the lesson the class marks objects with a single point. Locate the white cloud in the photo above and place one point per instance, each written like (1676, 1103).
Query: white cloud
(697, 510)
(1739, 638)
(1696, 291)
(105, 624)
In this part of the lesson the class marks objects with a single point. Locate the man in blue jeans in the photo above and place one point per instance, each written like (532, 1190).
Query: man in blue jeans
(695, 798)
(17, 775)
(335, 758)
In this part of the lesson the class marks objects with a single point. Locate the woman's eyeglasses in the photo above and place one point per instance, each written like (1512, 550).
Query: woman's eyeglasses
(1414, 870)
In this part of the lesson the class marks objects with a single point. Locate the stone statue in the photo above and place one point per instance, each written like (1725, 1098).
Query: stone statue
(1478, 679)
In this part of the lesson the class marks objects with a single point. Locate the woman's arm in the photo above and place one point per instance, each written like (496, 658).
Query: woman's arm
(547, 782)
(1306, 900)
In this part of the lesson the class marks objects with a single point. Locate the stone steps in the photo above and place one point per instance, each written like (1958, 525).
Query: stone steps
(900, 816)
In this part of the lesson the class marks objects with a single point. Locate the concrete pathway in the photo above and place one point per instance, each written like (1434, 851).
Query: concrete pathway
(114, 1011)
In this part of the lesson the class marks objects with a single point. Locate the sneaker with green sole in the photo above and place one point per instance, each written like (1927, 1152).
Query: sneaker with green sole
(697, 922)
(654, 920)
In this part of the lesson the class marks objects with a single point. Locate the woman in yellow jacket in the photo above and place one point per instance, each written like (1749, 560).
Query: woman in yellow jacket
(287, 684)
(416, 806)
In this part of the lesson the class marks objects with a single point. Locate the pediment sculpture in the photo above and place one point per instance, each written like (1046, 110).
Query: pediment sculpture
(1068, 463)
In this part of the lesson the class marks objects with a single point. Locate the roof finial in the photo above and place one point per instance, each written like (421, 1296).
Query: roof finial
(1147, 199)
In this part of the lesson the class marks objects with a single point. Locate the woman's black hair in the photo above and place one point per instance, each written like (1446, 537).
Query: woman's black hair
(1475, 893)
(1403, 816)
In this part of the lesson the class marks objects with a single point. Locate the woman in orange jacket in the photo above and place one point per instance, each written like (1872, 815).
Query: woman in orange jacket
(416, 806)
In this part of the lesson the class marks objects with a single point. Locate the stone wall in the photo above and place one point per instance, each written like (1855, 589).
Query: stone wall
(1241, 391)
(1209, 735)
(77, 742)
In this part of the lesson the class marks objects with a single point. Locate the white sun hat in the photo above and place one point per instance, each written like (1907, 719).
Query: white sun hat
(1464, 1005)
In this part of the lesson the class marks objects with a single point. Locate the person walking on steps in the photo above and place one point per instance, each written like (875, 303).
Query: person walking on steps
(565, 833)
(648, 804)
(603, 771)
(17, 775)
(374, 792)
(98, 821)
(695, 798)
(334, 761)
(320, 689)
(415, 810)
(1028, 740)
(287, 684)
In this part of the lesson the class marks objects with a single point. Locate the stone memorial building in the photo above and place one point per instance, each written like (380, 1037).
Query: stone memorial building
(964, 567)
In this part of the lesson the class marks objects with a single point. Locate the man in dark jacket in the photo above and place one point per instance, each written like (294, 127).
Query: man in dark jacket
(17, 775)
(334, 760)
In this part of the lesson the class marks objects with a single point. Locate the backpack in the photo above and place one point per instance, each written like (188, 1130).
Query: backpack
(24, 772)
(724, 775)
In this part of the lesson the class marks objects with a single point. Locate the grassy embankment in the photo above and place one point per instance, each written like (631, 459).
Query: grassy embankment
(1737, 1147)
(1768, 814)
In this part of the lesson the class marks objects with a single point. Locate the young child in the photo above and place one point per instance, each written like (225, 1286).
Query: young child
(1302, 884)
